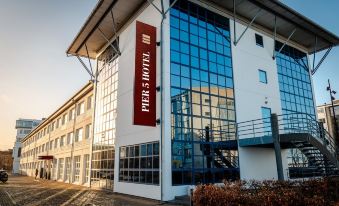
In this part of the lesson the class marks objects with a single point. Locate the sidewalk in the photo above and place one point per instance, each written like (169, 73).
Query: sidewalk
(23, 190)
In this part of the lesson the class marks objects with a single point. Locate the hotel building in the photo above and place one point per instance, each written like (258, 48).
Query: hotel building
(59, 147)
(190, 92)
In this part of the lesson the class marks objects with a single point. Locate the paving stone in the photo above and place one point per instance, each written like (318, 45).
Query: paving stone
(23, 190)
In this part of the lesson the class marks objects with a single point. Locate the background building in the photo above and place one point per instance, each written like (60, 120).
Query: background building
(60, 146)
(23, 128)
(6, 160)
(325, 115)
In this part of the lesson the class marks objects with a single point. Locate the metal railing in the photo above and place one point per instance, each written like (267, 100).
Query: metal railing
(288, 124)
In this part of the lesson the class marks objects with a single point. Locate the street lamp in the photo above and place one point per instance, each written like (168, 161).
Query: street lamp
(332, 92)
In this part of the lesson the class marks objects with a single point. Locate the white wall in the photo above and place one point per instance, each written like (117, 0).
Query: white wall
(251, 95)
(127, 133)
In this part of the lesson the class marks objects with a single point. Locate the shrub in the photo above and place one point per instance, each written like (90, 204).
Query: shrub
(268, 193)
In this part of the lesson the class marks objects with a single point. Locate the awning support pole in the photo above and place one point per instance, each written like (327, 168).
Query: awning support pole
(322, 59)
(288, 39)
(111, 44)
(89, 60)
(160, 11)
(236, 41)
(172, 4)
(275, 36)
(315, 50)
(115, 33)
(84, 65)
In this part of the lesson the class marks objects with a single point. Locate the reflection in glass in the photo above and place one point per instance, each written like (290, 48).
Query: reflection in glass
(202, 100)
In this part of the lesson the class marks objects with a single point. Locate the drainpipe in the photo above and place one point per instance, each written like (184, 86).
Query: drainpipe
(161, 97)
(93, 125)
(73, 141)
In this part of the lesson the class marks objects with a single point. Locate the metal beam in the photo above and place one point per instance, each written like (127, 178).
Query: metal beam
(236, 41)
(86, 68)
(115, 32)
(275, 36)
(228, 39)
(172, 4)
(96, 25)
(322, 59)
(288, 39)
(160, 11)
(89, 60)
(108, 41)
(315, 50)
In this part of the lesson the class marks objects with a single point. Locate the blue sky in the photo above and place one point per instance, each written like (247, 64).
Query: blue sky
(36, 77)
(324, 13)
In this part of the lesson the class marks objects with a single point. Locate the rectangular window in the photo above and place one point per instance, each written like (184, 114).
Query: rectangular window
(54, 169)
(259, 40)
(266, 115)
(51, 144)
(56, 143)
(71, 114)
(262, 76)
(89, 102)
(81, 108)
(64, 119)
(139, 163)
(61, 169)
(68, 168)
(78, 135)
(88, 131)
(76, 177)
(62, 140)
(70, 138)
(58, 123)
(86, 161)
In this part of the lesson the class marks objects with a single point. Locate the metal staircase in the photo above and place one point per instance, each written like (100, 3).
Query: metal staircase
(224, 160)
(296, 131)
(219, 152)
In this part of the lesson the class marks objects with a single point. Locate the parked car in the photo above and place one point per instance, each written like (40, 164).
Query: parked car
(3, 176)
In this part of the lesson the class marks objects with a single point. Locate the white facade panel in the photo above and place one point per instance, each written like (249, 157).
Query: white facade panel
(127, 133)
(251, 95)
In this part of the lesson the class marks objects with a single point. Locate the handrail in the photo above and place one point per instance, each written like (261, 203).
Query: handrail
(288, 123)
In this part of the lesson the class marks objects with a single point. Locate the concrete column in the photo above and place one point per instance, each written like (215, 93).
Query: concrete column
(276, 142)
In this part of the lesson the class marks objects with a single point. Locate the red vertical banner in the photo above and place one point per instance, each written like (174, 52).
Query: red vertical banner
(145, 75)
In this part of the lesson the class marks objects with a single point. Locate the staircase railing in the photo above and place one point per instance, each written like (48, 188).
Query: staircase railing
(288, 124)
(305, 123)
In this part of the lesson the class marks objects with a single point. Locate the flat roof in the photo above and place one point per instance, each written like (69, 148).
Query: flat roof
(287, 20)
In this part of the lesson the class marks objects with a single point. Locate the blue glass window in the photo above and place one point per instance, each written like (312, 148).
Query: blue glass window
(266, 115)
(262, 76)
(294, 81)
(202, 96)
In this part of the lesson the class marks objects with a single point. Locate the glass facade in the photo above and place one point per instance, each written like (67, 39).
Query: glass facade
(102, 175)
(202, 96)
(295, 90)
(139, 163)
(294, 81)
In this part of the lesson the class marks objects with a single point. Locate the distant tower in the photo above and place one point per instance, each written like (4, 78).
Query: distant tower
(23, 128)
